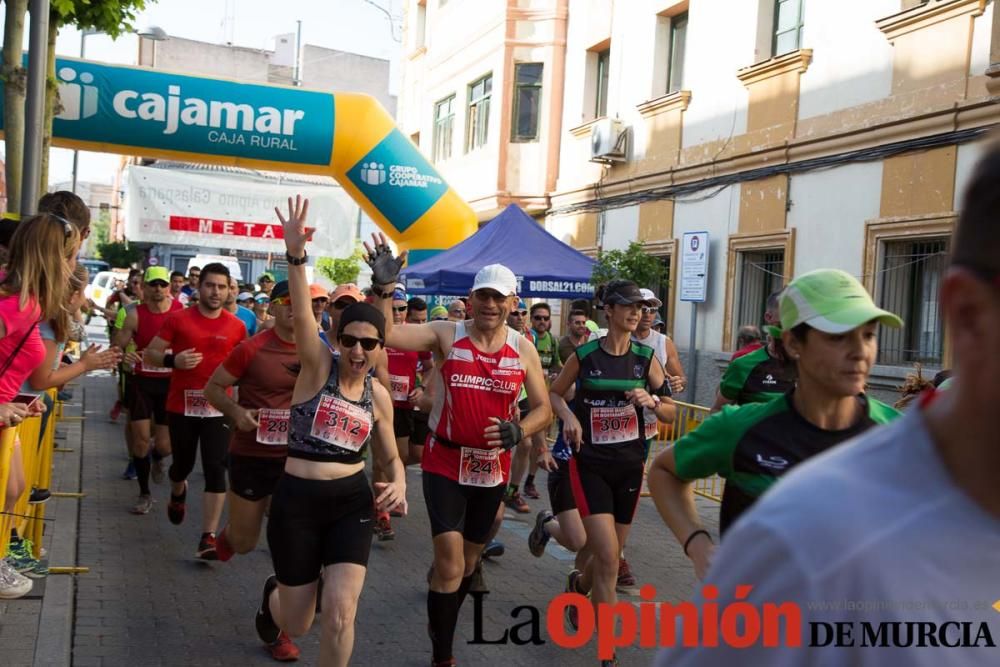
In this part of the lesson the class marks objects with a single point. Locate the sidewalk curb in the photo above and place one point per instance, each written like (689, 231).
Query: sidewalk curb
(54, 641)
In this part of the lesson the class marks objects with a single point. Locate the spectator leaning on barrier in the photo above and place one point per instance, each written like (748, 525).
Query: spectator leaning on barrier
(33, 287)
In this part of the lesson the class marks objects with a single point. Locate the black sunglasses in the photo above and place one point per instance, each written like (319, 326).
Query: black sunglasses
(367, 344)
(342, 303)
(400, 309)
(543, 318)
(158, 283)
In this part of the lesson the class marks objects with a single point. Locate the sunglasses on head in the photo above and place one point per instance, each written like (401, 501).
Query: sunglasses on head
(280, 301)
(543, 318)
(367, 344)
(399, 309)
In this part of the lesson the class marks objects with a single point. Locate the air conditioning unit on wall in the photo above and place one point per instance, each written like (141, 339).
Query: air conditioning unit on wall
(608, 141)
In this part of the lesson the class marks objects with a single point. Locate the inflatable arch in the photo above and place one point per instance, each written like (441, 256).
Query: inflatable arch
(349, 136)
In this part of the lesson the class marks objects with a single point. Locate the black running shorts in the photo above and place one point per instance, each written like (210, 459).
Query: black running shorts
(254, 477)
(560, 489)
(469, 510)
(315, 523)
(606, 489)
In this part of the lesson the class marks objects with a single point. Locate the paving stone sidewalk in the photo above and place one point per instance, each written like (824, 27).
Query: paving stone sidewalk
(147, 601)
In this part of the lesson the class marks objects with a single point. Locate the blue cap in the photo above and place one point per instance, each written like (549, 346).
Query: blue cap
(398, 295)
(521, 305)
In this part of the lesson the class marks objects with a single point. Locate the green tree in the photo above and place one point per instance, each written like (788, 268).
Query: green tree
(15, 79)
(340, 271)
(633, 264)
(119, 255)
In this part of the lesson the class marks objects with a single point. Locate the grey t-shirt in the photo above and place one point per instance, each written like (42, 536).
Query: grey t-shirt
(873, 531)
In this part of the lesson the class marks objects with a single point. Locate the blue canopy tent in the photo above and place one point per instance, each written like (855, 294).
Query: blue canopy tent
(545, 266)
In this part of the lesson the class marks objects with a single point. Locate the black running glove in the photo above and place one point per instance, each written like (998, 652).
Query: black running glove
(510, 435)
(385, 267)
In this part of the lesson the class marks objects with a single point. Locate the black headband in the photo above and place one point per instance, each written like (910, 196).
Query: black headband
(363, 312)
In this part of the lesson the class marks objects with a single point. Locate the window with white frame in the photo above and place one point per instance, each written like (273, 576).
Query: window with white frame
(444, 123)
(478, 117)
(602, 75)
(678, 40)
(787, 27)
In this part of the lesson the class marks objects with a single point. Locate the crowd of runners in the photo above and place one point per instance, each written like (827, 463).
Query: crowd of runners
(306, 405)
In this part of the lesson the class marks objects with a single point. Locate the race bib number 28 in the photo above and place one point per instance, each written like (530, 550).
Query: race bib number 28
(613, 426)
(272, 426)
(480, 467)
(196, 405)
(340, 423)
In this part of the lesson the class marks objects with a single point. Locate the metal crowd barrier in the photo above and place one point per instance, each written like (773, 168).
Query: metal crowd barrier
(689, 416)
(36, 457)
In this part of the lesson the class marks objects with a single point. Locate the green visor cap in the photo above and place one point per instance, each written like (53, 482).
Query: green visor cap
(832, 301)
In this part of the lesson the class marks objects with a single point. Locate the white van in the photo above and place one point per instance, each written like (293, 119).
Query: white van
(103, 286)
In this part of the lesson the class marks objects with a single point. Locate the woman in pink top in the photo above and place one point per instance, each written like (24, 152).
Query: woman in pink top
(33, 287)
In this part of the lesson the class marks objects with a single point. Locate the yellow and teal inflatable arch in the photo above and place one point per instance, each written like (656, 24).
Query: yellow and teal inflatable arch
(349, 136)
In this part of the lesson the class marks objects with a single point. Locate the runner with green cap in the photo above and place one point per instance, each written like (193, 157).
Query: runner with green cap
(829, 325)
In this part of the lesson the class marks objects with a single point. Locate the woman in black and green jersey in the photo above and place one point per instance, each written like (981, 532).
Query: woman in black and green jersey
(615, 379)
(828, 324)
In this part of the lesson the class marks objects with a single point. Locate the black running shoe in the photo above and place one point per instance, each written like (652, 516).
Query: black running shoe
(267, 629)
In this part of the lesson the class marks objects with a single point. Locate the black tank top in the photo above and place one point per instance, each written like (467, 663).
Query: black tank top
(613, 430)
(329, 427)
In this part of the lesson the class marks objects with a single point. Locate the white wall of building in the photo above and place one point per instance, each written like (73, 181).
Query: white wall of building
(621, 227)
(965, 162)
(841, 77)
(981, 33)
(719, 216)
(829, 210)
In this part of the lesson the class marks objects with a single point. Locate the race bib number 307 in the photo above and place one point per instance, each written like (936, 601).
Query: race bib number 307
(480, 467)
(272, 426)
(340, 423)
(196, 405)
(613, 426)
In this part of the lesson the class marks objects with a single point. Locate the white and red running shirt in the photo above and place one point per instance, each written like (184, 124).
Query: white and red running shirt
(475, 386)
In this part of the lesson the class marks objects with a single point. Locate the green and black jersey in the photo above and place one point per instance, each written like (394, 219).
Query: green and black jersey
(757, 377)
(548, 352)
(755, 444)
(613, 431)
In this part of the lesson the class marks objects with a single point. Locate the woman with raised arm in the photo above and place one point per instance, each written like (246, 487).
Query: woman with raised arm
(322, 509)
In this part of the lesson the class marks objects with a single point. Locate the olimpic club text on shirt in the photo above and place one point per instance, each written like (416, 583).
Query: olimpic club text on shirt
(738, 624)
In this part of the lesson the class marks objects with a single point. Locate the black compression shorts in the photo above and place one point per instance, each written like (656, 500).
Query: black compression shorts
(560, 489)
(469, 510)
(315, 523)
(146, 398)
(254, 477)
(606, 489)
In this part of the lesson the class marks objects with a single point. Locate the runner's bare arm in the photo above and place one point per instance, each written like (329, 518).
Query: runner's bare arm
(215, 392)
(674, 501)
(678, 380)
(666, 411)
(124, 335)
(561, 387)
(153, 354)
(392, 494)
(313, 355)
(540, 414)
(720, 402)
(381, 370)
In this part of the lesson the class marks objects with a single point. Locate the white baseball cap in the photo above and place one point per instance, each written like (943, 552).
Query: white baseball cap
(650, 298)
(496, 277)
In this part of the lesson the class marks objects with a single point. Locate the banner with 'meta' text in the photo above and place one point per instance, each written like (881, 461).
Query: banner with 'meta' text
(222, 211)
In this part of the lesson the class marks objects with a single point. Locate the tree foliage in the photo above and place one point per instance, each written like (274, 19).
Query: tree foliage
(119, 255)
(633, 264)
(340, 271)
(112, 17)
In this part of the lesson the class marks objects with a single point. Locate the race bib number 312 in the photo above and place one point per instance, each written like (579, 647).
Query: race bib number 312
(340, 423)
(613, 426)
(272, 426)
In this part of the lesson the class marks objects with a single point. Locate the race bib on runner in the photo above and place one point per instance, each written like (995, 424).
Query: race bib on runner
(272, 426)
(196, 405)
(613, 426)
(340, 423)
(480, 467)
(651, 430)
(149, 368)
(400, 388)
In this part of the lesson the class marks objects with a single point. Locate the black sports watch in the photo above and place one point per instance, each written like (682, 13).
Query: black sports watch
(297, 261)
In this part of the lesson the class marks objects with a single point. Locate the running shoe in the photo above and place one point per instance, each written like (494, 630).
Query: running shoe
(494, 549)
(176, 509)
(383, 528)
(477, 584)
(613, 662)
(39, 496)
(12, 584)
(282, 649)
(531, 491)
(130, 473)
(38, 570)
(206, 547)
(450, 662)
(156, 470)
(516, 503)
(267, 629)
(20, 554)
(572, 615)
(143, 505)
(625, 576)
(539, 537)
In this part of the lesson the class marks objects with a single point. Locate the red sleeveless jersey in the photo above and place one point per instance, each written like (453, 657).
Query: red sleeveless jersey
(149, 324)
(475, 386)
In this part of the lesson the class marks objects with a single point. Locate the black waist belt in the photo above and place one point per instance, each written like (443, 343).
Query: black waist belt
(454, 445)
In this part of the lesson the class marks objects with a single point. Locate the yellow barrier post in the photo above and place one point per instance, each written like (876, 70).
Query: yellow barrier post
(43, 475)
(689, 417)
